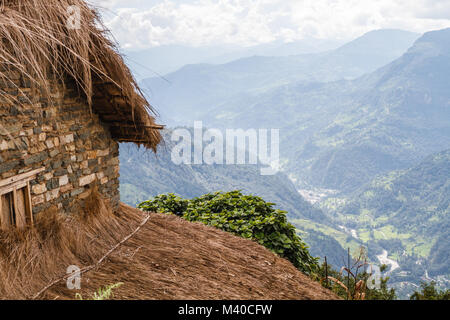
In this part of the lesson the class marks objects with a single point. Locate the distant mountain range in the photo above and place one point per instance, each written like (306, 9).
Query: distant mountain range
(335, 135)
(339, 135)
(386, 120)
(169, 58)
(195, 91)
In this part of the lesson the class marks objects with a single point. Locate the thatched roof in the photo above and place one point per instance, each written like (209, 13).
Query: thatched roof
(164, 257)
(36, 36)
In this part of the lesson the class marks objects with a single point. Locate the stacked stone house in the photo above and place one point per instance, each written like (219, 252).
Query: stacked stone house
(60, 125)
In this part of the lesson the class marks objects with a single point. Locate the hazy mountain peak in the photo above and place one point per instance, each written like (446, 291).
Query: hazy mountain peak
(379, 40)
(439, 40)
(425, 64)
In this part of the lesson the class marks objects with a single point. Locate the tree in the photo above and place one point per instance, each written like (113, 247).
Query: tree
(428, 291)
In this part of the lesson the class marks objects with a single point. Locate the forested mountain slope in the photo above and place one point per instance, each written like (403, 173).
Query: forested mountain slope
(406, 213)
(340, 135)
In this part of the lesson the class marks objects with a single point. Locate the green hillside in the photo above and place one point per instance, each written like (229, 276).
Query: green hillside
(340, 135)
(406, 213)
(144, 174)
(334, 135)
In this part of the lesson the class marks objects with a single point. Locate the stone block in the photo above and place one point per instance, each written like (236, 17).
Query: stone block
(86, 180)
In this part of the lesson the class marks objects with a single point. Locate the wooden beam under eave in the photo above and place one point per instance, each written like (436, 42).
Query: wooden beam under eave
(108, 118)
(132, 140)
(20, 177)
(115, 125)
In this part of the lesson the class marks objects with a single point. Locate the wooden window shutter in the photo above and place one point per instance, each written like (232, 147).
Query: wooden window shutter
(15, 200)
(6, 211)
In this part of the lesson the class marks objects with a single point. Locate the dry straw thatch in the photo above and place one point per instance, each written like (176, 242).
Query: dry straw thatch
(37, 40)
(32, 258)
(163, 257)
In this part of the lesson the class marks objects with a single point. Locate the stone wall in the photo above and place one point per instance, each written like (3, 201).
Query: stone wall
(56, 131)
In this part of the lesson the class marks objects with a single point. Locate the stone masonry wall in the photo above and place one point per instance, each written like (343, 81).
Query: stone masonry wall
(58, 132)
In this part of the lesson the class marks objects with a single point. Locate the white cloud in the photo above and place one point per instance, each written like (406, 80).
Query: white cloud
(147, 23)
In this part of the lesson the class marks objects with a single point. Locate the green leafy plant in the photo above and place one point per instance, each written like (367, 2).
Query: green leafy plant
(105, 293)
(166, 203)
(247, 216)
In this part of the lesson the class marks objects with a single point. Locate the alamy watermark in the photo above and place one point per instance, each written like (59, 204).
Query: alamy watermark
(232, 147)
(74, 19)
(74, 278)
(374, 281)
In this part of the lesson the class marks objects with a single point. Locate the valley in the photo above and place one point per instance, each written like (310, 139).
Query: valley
(362, 145)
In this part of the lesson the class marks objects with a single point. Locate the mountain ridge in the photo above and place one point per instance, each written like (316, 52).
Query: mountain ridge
(199, 88)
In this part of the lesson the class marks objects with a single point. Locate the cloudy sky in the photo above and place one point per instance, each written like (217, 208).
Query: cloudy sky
(139, 24)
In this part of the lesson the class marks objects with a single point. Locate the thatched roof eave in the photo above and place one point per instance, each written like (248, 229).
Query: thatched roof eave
(36, 36)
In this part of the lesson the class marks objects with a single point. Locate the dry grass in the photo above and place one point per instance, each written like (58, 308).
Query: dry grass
(31, 258)
(169, 258)
(37, 42)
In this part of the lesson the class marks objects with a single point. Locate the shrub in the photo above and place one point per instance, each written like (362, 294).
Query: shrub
(247, 216)
(166, 203)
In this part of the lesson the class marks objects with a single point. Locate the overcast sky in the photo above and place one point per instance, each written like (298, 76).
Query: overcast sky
(138, 24)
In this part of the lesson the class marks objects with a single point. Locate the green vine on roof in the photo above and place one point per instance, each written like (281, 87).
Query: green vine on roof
(246, 216)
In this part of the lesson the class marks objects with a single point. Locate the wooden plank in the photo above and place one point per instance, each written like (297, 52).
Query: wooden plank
(20, 211)
(114, 117)
(132, 140)
(20, 177)
(134, 126)
(5, 211)
(28, 205)
(12, 187)
(13, 206)
(12, 217)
